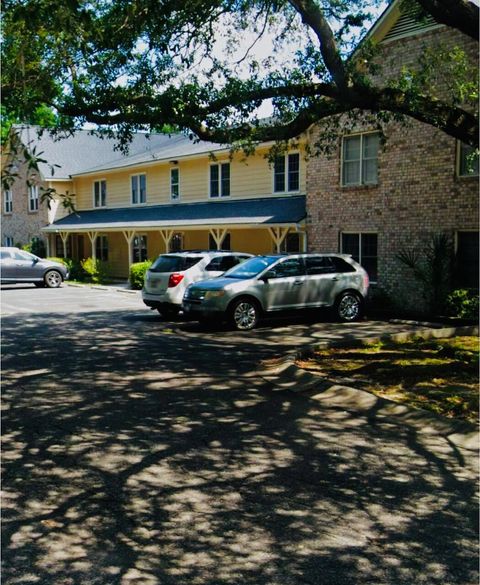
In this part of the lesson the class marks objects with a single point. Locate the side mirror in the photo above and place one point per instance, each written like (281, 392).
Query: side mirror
(268, 275)
(35, 260)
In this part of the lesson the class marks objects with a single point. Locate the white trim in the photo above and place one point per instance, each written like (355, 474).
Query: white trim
(360, 233)
(360, 183)
(178, 198)
(100, 194)
(138, 175)
(87, 228)
(8, 200)
(220, 196)
(35, 199)
(287, 170)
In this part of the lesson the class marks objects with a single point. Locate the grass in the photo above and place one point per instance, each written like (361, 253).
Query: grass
(440, 375)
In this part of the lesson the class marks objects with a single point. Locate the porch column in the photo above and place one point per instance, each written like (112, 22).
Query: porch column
(218, 235)
(48, 246)
(167, 236)
(64, 236)
(278, 234)
(129, 235)
(92, 236)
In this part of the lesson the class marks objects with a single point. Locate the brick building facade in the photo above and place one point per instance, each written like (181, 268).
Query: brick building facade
(419, 188)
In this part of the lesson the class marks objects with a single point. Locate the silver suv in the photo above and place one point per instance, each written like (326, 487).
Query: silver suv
(273, 283)
(170, 274)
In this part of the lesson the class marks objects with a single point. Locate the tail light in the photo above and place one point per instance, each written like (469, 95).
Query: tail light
(174, 279)
(366, 280)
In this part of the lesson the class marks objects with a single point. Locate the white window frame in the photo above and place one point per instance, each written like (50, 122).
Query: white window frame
(286, 158)
(361, 183)
(8, 241)
(460, 154)
(8, 201)
(220, 166)
(360, 247)
(33, 198)
(174, 197)
(181, 237)
(137, 179)
(99, 181)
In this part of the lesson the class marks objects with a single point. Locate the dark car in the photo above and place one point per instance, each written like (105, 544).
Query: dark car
(18, 266)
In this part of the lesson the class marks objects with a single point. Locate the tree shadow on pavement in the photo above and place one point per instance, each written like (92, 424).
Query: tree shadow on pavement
(154, 456)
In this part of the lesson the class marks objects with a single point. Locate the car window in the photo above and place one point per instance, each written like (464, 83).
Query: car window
(19, 255)
(4, 255)
(222, 263)
(319, 265)
(251, 267)
(289, 267)
(174, 263)
(342, 265)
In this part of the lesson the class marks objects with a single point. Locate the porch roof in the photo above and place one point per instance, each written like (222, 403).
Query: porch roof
(268, 211)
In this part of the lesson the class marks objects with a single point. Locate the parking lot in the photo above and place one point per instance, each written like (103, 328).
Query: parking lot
(147, 452)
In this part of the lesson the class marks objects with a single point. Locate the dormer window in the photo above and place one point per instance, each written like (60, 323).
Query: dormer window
(100, 193)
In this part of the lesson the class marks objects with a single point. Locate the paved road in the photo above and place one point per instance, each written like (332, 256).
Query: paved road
(142, 452)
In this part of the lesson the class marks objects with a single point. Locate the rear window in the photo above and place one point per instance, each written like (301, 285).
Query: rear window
(342, 265)
(174, 263)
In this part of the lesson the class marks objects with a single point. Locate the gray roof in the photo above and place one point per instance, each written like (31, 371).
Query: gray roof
(267, 211)
(83, 152)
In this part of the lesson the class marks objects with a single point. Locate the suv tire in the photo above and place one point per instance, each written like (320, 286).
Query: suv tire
(244, 314)
(348, 307)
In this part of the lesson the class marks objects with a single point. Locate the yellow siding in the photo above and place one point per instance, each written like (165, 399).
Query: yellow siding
(249, 178)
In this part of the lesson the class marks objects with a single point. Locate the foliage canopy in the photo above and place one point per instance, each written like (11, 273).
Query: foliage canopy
(206, 66)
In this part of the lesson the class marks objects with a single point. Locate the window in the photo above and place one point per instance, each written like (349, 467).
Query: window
(176, 243)
(139, 189)
(290, 244)
(174, 184)
(286, 173)
(467, 161)
(33, 198)
(100, 193)
(7, 201)
(139, 249)
(360, 159)
(225, 245)
(8, 241)
(289, 267)
(363, 249)
(224, 263)
(319, 265)
(59, 247)
(220, 180)
(101, 248)
(467, 259)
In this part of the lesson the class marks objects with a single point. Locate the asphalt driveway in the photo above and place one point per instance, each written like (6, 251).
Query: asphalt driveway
(137, 451)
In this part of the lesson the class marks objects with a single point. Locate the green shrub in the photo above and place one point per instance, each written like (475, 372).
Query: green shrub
(59, 260)
(97, 271)
(137, 274)
(463, 303)
(37, 247)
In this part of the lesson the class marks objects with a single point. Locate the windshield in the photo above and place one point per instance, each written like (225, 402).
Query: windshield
(251, 268)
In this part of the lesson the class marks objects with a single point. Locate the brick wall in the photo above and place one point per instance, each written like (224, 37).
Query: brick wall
(418, 192)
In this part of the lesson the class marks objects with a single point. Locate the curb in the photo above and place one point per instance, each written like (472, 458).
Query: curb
(102, 287)
(284, 375)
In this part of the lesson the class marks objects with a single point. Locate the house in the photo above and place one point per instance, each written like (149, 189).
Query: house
(169, 193)
(375, 200)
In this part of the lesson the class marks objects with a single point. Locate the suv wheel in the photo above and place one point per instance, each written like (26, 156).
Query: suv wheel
(244, 314)
(348, 307)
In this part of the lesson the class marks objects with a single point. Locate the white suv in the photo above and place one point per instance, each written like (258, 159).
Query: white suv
(170, 274)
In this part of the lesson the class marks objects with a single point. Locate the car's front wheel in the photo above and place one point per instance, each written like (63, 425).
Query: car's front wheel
(244, 314)
(348, 307)
(52, 279)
